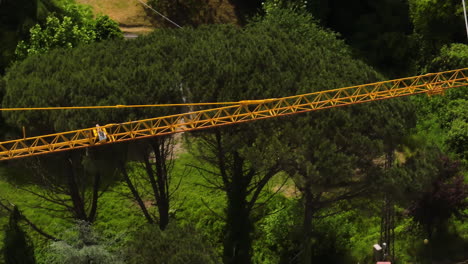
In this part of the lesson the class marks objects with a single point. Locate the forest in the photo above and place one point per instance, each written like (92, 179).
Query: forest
(383, 180)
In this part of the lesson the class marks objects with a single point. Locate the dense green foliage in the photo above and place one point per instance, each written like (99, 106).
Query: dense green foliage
(176, 245)
(450, 57)
(445, 199)
(332, 169)
(67, 33)
(80, 245)
(35, 26)
(437, 23)
(447, 114)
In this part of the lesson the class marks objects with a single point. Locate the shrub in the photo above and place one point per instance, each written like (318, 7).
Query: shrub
(174, 245)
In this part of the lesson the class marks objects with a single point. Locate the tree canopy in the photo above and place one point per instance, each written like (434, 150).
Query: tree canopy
(337, 171)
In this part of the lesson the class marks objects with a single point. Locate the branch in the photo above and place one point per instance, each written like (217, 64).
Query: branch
(259, 187)
(211, 210)
(272, 195)
(135, 193)
(346, 196)
(203, 169)
(276, 211)
(49, 209)
(210, 181)
(217, 188)
(174, 190)
(56, 200)
(330, 214)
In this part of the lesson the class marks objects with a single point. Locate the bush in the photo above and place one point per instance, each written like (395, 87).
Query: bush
(453, 56)
(80, 245)
(75, 28)
(174, 245)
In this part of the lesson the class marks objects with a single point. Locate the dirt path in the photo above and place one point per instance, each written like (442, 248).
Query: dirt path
(134, 20)
(130, 14)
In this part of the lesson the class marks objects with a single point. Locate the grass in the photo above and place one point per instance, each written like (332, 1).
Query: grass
(118, 216)
(195, 205)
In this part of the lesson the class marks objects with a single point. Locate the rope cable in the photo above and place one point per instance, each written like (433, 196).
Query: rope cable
(112, 106)
(466, 20)
(163, 16)
(242, 102)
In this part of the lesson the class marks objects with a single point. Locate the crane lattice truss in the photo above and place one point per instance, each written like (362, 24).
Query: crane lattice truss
(244, 111)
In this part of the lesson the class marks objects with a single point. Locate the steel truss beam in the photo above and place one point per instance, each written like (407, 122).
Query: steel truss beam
(245, 111)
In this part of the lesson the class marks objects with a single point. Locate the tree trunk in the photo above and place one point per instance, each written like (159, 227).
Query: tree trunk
(307, 197)
(135, 194)
(237, 241)
(77, 201)
(163, 210)
(159, 148)
(94, 198)
(157, 174)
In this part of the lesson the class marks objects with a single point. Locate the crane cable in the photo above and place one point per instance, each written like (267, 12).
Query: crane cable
(163, 16)
(466, 20)
(241, 112)
(232, 103)
(114, 106)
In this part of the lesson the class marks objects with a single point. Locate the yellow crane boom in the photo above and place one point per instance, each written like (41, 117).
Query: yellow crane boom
(244, 111)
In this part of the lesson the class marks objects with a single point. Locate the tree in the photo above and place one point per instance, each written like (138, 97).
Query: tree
(242, 164)
(436, 23)
(73, 181)
(156, 163)
(18, 17)
(67, 33)
(444, 199)
(18, 247)
(378, 31)
(455, 120)
(452, 56)
(447, 113)
(158, 80)
(70, 184)
(247, 9)
(327, 168)
(237, 154)
(106, 28)
(340, 154)
(3, 127)
(109, 81)
(241, 159)
(332, 153)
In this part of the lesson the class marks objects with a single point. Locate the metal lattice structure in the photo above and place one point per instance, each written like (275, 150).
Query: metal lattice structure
(244, 111)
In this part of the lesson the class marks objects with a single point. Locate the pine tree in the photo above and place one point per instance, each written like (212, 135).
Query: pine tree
(18, 248)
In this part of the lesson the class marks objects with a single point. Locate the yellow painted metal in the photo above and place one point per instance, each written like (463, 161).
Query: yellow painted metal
(244, 111)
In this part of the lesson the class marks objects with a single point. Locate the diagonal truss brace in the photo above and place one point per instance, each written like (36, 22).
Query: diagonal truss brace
(249, 110)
